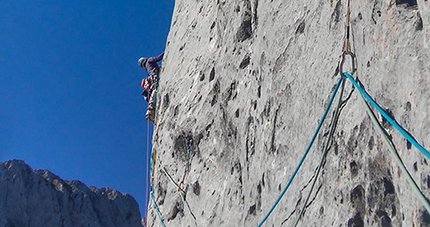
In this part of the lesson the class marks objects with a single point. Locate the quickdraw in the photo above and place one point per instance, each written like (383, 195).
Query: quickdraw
(187, 166)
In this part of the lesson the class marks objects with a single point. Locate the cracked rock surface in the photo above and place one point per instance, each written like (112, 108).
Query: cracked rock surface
(31, 198)
(243, 87)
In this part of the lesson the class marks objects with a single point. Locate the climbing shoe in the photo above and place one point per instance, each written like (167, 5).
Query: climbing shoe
(150, 107)
(150, 117)
(150, 113)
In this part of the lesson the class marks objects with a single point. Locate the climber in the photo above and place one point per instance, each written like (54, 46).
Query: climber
(150, 83)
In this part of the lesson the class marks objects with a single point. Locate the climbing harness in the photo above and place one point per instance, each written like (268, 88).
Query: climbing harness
(148, 90)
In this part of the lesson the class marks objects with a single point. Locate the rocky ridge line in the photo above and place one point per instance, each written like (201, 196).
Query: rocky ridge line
(40, 198)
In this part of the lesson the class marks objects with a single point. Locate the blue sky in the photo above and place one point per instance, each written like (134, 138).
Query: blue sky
(70, 87)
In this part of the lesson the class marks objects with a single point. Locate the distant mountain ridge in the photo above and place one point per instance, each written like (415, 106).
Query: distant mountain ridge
(34, 198)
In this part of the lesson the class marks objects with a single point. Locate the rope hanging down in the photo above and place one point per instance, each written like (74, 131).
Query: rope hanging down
(187, 166)
(305, 154)
(156, 207)
(181, 192)
(325, 151)
(181, 186)
(395, 155)
(151, 170)
(346, 51)
(386, 116)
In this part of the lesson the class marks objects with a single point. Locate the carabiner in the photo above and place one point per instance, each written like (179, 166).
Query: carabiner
(342, 60)
(189, 142)
(181, 186)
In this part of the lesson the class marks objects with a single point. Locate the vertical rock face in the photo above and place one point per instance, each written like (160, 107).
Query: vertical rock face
(248, 82)
(40, 198)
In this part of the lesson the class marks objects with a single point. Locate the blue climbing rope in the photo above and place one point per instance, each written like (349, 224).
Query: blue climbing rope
(156, 207)
(396, 156)
(189, 148)
(324, 156)
(305, 154)
(181, 192)
(151, 169)
(386, 116)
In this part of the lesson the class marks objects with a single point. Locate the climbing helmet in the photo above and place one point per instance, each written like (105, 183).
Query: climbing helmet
(142, 61)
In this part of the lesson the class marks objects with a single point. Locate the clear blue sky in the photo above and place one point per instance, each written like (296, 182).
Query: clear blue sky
(70, 87)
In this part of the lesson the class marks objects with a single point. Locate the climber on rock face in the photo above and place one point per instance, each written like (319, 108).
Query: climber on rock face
(149, 84)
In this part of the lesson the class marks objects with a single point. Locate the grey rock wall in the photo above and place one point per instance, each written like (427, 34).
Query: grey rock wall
(35, 198)
(248, 81)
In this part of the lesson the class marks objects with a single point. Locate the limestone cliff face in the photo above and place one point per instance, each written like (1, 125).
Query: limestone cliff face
(249, 80)
(33, 198)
